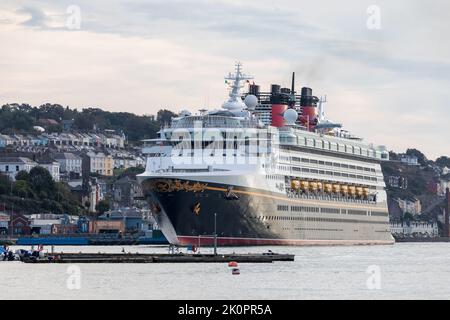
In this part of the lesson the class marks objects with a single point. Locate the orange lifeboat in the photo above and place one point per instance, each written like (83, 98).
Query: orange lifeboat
(336, 188)
(352, 190)
(359, 191)
(313, 186)
(328, 187)
(295, 184)
(319, 186)
(366, 192)
(344, 189)
(304, 185)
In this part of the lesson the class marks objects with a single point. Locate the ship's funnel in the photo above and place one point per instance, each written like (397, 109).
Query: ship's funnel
(308, 109)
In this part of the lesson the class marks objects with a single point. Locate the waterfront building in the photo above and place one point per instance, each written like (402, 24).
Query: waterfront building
(411, 205)
(132, 218)
(415, 229)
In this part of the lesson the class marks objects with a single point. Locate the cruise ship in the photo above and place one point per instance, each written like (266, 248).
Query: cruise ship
(266, 168)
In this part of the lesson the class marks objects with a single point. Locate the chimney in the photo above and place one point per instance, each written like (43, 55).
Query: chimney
(447, 212)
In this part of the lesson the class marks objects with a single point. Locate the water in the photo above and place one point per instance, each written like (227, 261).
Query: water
(407, 271)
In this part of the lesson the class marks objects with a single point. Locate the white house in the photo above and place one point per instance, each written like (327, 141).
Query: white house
(52, 167)
(12, 165)
(409, 160)
(69, 162)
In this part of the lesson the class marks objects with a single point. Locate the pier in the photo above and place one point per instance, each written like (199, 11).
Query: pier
(158, 258)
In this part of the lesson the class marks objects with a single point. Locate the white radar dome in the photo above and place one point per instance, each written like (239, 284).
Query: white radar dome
(290, 116)
(251, 101)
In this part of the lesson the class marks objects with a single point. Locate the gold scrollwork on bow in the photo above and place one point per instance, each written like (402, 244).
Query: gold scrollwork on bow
(177, 185)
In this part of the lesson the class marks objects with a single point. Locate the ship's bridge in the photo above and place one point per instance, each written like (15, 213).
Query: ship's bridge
(214, 121)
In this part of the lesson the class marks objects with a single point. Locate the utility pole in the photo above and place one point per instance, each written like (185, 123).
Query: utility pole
(215, 233)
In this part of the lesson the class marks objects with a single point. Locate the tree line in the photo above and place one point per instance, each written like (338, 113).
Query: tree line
(21, 118)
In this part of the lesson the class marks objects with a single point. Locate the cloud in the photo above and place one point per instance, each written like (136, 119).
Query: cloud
(37, 17)
(388, 85)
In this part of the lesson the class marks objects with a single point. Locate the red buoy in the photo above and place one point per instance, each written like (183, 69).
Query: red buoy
(232, 264)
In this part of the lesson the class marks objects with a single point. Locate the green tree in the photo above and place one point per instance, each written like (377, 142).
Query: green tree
(41, 181)
(5, 184)
(21, 188)
(102, 206)
(420, 156)
(131, 172)
(23, 175)
(164, 116)
(443, 162)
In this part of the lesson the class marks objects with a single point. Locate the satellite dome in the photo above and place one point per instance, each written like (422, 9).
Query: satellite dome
(185, 113)
(251, 101)
(290, 116)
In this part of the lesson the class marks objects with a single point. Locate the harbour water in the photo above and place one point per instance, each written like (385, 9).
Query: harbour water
(400, 271)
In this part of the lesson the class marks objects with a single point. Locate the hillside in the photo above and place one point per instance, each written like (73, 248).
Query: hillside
(421, 181)
(21, 118)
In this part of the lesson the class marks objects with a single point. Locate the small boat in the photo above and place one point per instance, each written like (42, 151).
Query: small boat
(235, 271)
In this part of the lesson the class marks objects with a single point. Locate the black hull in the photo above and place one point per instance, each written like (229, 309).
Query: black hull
(240, 221)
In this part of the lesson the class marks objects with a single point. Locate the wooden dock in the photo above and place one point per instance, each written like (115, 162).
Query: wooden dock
(158, 258)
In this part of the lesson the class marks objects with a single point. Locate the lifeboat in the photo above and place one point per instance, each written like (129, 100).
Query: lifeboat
(319, 186)
(365, 192)
(313, 186)
(359, 191)
(304, 185)
(295, 184)
(344, 189)
(336, 188)
(352, 190)
(328, 187)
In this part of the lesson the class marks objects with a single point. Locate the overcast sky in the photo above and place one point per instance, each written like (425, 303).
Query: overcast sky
(386, 79)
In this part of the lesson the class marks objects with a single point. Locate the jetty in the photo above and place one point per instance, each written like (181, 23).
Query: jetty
(157, 258)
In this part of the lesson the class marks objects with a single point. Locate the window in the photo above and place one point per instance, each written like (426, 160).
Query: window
(6, 168)
(17, 168)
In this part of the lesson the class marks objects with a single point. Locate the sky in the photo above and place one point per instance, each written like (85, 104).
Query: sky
(384, 65)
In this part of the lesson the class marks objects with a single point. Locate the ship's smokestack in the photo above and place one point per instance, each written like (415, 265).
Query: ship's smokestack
(254, 90)
(279, 106)
(308, 102)
(275, 89)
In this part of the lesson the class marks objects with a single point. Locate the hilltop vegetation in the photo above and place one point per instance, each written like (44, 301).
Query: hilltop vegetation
(15, 118)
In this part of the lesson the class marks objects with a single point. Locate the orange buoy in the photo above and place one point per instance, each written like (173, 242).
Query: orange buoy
(232, 264)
